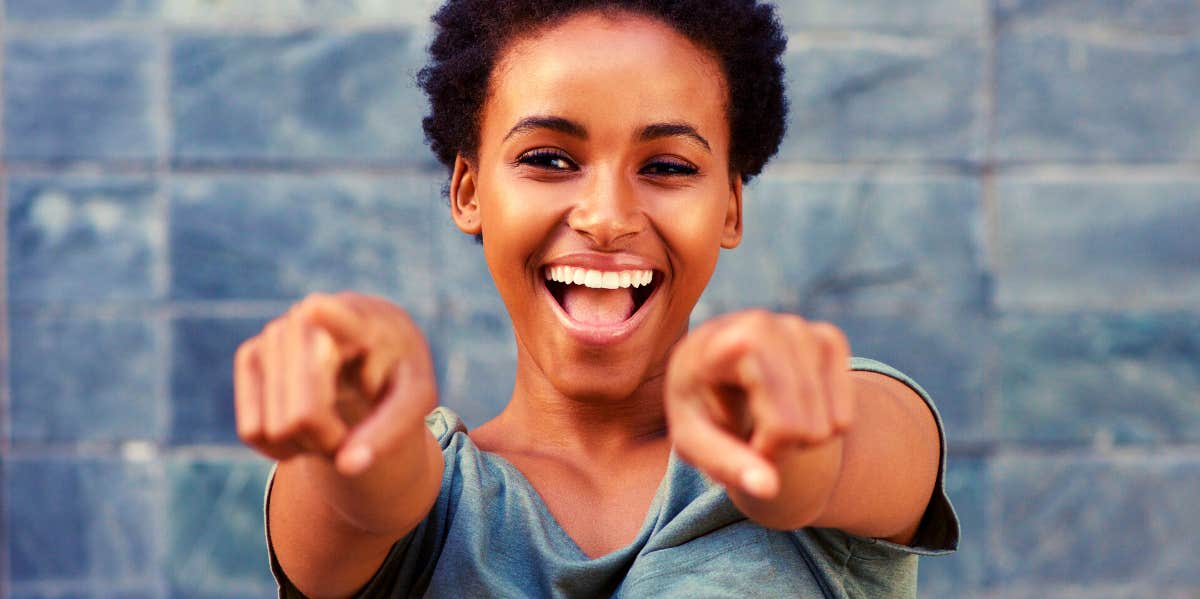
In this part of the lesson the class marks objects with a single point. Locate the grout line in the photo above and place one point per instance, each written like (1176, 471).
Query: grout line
(164, 332)
(249, 166)
(165, 310)
(1103, 172)
(990, 370)
(5, 370)
(989, 451)
(990, 235)
(225, 26)
(258, 309)
(162, 276)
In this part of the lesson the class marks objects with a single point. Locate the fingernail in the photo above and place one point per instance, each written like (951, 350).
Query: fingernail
(759, 482)
(356, 459)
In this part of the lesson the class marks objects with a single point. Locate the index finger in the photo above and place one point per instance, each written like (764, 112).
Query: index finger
(340, 319)
(718, 453)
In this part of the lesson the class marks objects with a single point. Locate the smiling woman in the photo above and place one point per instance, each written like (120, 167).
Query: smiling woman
(599, 150)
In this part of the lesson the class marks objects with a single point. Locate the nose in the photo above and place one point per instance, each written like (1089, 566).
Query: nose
(608, 210)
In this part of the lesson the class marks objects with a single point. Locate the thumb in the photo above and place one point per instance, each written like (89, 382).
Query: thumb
(399, 417)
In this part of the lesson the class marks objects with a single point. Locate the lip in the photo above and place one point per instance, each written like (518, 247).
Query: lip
(593, 334)
(597, 261)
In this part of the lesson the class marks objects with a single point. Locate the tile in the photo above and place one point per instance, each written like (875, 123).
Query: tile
(854, 244)
(1132, 16)
(58, 590)
(1129, 378)
(202, 377)
(282, 237)
(964, 573)
(106, 508)
(944, 353)
(304, 97)
(217, 546)
(475, 357)
(207, 11)
(473, 346)
(1104, 520)
(1107, 245)
(920, 15)
(53, 10)
(75, 379)
(82, 240)
(908, 99)
(82, 96)
(1061, 98)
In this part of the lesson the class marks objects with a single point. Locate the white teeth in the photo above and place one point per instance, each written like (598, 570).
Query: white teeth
(597, 279)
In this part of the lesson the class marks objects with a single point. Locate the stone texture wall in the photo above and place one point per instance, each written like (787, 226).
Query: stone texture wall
(1001, 198)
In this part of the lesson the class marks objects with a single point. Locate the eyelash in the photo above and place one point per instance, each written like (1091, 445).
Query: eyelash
(543, 158)
(672, 168)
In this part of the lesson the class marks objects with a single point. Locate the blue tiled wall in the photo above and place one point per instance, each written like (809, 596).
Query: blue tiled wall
(1000, 197)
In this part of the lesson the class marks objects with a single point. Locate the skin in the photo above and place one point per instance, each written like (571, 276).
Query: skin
(576, 162)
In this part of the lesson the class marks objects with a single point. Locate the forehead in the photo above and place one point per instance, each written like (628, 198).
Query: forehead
(618, 64)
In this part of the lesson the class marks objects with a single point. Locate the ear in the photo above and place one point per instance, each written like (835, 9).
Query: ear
(731, 236)
(464, 205)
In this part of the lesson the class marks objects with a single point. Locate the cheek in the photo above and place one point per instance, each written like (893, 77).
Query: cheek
(693, 232)
(516, 222)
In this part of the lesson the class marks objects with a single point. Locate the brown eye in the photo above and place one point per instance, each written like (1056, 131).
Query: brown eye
(548, 159)
(668, 167)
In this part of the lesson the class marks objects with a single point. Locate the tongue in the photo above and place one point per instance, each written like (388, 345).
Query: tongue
(598, 306)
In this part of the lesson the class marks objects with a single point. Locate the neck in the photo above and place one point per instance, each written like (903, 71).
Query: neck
(594, 426)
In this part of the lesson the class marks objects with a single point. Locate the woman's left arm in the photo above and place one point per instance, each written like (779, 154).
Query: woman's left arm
(766, 405)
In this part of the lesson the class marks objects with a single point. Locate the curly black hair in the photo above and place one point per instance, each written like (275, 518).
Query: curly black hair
(745, 36)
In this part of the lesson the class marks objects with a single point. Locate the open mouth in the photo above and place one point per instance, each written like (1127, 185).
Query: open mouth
(600, 298)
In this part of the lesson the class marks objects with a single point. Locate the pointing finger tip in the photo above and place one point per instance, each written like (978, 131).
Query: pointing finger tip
(760, 482)
(354, 459)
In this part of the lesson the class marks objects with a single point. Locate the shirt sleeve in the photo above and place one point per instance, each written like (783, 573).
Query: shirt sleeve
(407, 562)
(938, 531)
(858, 566)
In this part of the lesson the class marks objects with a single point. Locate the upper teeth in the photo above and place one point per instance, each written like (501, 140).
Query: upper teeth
(599, 279)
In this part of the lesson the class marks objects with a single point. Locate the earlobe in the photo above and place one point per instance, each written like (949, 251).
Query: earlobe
(464, 205)
(731, 236)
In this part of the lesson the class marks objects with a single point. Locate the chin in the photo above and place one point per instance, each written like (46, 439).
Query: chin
(591, 379)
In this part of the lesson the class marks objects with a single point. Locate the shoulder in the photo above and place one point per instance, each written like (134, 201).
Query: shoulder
(938, 531)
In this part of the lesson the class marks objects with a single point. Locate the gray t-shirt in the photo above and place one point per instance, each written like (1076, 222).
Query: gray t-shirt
(490, 535)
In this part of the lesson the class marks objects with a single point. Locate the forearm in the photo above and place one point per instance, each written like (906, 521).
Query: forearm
(808, 476)
(330, 532)
(390, 497)
(872, 480)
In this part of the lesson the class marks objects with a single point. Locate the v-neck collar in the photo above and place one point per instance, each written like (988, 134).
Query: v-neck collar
(556, 529)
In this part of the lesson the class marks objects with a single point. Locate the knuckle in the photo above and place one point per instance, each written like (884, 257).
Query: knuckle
(324, 349)
(833, 335)
(273, 328)
(281, 429)
(250, 435)
(306, 308)
(245, 353)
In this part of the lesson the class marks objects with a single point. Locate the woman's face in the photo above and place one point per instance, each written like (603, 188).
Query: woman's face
(602, 163)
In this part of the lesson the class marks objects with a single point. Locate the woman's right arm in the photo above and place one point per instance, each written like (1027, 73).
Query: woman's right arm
(337, 390)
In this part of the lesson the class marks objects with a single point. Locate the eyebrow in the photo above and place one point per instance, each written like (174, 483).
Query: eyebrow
(661, 130)
(649, 132)
(553, 123)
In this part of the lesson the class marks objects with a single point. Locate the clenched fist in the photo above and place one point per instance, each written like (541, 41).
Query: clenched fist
(345, 376)
(744, 388)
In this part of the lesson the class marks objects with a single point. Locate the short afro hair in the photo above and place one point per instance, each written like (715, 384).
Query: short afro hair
(744, 35)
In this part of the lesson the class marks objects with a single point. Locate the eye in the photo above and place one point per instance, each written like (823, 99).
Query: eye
(548, 159)
(669, 167)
